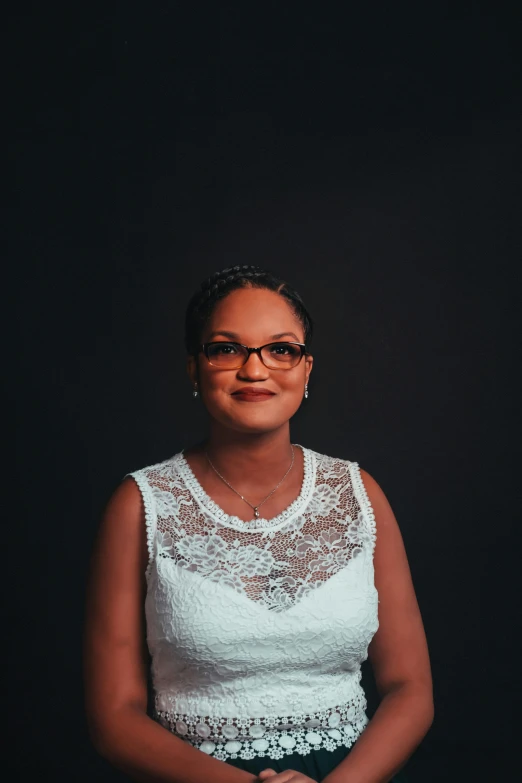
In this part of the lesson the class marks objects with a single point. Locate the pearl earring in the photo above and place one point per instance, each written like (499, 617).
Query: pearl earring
(195, 392)
(306, 391)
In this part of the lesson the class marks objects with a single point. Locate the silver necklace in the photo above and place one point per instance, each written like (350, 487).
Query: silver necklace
(256, 511)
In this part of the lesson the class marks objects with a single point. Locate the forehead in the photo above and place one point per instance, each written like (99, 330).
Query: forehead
(255, 315)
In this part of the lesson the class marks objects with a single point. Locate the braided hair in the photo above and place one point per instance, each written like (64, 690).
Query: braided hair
(220, 284)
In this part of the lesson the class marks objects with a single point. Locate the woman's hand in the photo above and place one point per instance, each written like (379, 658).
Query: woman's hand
(288, 776)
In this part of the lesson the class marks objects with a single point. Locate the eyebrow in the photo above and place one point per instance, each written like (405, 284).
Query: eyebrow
(234, 336)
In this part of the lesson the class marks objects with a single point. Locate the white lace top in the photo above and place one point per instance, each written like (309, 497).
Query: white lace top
(257, 630)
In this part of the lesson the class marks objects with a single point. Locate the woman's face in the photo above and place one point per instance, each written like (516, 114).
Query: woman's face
(252, 317)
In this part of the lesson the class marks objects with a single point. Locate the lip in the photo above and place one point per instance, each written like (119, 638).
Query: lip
(247, 391)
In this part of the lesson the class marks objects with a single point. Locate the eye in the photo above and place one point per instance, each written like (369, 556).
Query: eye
(284, 349)
(223, 349)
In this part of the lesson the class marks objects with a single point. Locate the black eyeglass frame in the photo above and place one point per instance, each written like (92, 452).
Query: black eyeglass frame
(205, 346)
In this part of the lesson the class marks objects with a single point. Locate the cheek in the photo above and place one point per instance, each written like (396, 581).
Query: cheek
(215, 383)
(292, 383)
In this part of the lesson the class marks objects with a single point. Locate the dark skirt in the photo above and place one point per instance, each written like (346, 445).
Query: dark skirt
(317, 764)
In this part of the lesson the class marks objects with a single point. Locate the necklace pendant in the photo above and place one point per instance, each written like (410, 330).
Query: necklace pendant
(256, 513)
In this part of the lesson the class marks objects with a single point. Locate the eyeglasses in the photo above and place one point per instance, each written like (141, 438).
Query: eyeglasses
(275, 356)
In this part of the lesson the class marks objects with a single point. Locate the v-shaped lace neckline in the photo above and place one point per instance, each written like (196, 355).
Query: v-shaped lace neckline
(217, 513)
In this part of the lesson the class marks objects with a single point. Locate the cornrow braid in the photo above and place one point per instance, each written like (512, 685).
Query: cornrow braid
(220, 284)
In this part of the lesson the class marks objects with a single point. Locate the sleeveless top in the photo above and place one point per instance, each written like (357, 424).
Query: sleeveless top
(257, 630)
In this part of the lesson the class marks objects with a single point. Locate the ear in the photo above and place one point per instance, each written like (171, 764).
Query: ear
(309, 363)
(192, 369)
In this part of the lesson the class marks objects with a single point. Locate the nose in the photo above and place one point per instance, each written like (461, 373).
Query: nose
(253, 368)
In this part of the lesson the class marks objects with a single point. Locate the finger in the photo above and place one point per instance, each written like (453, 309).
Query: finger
(287, 776)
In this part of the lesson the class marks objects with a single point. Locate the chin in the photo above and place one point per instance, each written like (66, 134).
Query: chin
(249, 424)
(252, 428)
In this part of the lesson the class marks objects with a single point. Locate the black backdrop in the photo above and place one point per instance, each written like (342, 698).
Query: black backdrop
(374, 161)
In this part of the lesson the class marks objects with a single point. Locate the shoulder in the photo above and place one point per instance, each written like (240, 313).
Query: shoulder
(341, 464)
(166, 469)
(364, 484)
(389, 544)
(336, 466)
(382, 509)
(327, 462)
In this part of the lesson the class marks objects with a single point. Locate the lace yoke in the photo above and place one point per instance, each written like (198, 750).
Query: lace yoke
(257, 630)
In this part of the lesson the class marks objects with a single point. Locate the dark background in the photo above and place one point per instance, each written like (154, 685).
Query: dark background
(371, 157)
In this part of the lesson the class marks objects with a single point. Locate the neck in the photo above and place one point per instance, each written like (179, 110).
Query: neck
(239, 453)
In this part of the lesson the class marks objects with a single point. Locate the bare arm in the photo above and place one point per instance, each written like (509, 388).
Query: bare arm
(400, 661)
(115, 660)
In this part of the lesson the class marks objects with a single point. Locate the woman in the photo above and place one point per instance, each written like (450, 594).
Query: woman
(254, 569)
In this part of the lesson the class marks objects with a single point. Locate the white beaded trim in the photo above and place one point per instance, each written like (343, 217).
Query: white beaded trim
(362, 494)
(272, 736)
(150, 515)
(217, 513)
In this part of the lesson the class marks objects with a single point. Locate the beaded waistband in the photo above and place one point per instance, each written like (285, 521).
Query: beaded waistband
(272, 736)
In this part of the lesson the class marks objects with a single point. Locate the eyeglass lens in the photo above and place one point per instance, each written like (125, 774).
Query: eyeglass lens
(232, 355)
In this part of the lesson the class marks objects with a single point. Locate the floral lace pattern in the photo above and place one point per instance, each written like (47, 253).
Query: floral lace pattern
(275, 615)
(283, 559)
(271, 736)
